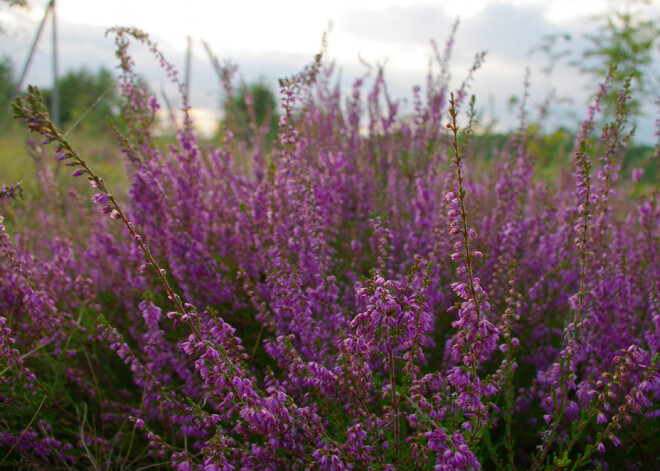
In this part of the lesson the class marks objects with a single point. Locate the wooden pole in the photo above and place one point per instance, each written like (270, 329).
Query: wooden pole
(55, 104)
(188, 61)
(28, 61)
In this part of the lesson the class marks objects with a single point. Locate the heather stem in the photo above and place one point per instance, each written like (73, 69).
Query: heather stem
(453, 126)
(510, 370)
(395, 402)
(467, 253)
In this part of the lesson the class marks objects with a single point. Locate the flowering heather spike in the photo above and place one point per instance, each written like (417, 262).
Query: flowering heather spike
(477, 336)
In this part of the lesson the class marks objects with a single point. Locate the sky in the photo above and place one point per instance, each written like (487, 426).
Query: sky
(272, 39)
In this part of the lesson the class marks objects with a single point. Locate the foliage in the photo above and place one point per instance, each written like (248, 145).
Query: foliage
(7, 87)
(626, 43)
(359, 297)
(86, 99)
(251, 111)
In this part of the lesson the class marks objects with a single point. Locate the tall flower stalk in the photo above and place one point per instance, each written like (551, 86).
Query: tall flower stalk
(477, 336)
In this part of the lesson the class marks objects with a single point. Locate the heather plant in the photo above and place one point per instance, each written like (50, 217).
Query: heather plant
(356, 295)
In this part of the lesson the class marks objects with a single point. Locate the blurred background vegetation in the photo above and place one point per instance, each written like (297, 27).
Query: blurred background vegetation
(88, 99)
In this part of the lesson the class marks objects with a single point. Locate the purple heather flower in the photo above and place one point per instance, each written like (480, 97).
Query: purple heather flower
(459, 289)
(436, 440)
(100, 198)
(637, 174)
(615, 441)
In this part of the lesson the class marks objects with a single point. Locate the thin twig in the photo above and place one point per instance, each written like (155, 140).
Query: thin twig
(23, 432)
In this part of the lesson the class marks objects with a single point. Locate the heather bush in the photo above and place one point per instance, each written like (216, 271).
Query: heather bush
(359, 296)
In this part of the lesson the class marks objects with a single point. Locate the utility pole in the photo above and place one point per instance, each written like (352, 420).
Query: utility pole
(55, 104)
(55, 100)
(28, 61)
(187, 84)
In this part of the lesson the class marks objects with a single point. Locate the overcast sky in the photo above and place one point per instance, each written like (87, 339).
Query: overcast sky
(276, 38)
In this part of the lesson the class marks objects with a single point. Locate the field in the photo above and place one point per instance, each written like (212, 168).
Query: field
(372, 291)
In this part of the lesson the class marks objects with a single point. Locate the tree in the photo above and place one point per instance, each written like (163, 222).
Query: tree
(86, 99)
(7, 86)
(252, 106)
(626, 41)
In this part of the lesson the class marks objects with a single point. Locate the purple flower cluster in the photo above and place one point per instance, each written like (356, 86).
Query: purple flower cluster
(359, 294)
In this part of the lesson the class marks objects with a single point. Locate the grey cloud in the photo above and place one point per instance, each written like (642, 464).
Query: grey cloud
(503, 29)
(413, 24)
